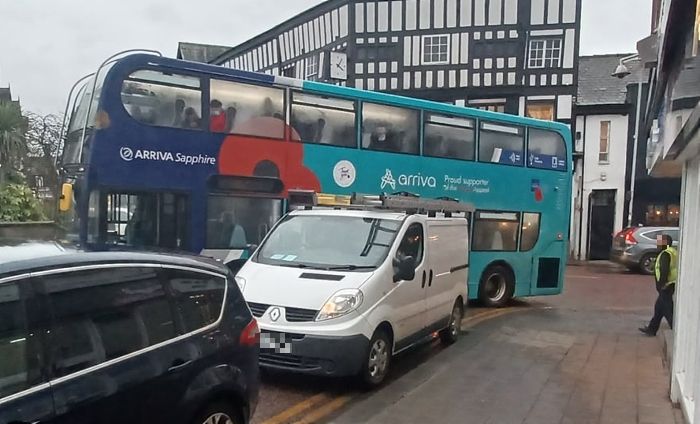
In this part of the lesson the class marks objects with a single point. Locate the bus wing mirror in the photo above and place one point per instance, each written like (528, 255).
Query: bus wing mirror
(66, 200)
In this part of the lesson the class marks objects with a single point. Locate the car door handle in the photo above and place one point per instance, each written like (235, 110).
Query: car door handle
(179, 364)
(430, 281)
(423, 283)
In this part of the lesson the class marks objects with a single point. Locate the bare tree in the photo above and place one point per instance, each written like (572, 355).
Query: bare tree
(43, 146)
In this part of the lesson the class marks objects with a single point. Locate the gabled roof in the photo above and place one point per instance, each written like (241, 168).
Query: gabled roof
(597, 86)
(5, 94)
(204, 53)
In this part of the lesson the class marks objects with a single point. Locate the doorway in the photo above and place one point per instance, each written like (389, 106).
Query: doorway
(601, 225)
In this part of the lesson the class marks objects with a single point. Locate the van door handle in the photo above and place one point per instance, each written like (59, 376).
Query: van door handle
(430, 281)
(423, 283)
(179, 364)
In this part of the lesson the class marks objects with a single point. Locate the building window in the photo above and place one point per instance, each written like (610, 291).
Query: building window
(492, 105)
(545, 53)
(290, 72)
(540, 110)
(312, 68)
(435, 49)
(604, 153)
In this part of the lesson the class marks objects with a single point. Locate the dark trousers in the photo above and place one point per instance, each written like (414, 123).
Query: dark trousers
(663, 308)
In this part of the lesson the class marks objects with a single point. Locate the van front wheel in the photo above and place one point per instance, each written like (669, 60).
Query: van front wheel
(497, 286)
(377, 360)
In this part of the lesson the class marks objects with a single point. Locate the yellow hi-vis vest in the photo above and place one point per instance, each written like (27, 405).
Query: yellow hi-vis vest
(673, 266)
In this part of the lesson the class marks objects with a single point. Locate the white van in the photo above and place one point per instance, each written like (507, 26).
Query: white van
(340, 291)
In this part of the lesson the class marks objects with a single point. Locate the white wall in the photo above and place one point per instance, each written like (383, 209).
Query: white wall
(598, 176)
(685, 385)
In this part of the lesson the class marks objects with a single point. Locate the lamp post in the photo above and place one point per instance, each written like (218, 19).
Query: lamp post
(621, 72)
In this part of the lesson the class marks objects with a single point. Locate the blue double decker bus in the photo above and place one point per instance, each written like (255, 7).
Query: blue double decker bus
(163, 153)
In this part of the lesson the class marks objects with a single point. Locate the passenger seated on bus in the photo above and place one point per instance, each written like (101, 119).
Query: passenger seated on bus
(233, 234)
(384, 140)
(230, 118)
(192, 120)
(217, 117)
(179, 113)
(320, 126)
(268, 109)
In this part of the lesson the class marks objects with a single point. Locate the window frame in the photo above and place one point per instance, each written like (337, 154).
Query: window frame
(361, 122)
(399, 240)
(475, 219)
(523, 151)
(313, 64)
(203, 82)
(357, 111)
(551, 103)
(428, 115)
(540, 62)
(160, 268)
(604, 156)
(429, 39)
(527, 151)
(539, 231)
(229, 79)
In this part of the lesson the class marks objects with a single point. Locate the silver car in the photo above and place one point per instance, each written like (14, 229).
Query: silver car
(635, 247)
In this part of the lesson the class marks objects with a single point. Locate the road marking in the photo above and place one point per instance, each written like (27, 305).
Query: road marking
(325, 410)
(340, 401)
(301, 407)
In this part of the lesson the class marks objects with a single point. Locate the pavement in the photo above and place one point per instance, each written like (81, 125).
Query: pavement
(573, 358)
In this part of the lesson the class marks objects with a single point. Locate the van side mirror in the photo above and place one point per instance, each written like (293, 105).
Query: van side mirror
(404, 269)
(66, 200)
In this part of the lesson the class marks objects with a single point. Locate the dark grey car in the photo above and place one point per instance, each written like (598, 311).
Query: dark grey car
(635, 247)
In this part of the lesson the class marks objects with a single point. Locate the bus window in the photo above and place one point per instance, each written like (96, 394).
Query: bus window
(389, 129)
(496, 231)
(165, 100)
(448, 137)
(246, 109)
(546, 150)
(530, 231)
(499, 143)
(237, 222)
(323, 120)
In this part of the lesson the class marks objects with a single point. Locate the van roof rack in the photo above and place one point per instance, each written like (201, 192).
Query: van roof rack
(403, 202)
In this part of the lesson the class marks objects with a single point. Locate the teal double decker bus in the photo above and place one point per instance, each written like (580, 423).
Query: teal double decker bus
(173, 154)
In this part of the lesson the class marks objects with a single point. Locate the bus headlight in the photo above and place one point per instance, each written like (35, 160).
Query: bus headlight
(341, 303)
(241, 282)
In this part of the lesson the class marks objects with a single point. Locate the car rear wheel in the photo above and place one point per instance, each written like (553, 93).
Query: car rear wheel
(219, 413)
(647, 264)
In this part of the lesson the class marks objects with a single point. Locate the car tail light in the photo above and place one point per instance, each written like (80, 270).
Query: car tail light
(629, 238)
(250, 336)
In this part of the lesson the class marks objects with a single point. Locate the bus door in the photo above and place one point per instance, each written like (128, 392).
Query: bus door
(240, 213)
(546, 252)
(140, 220)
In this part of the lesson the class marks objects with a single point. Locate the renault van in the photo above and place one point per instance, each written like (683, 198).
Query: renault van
(341, 291)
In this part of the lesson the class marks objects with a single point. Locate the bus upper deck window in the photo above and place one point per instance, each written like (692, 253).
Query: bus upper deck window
(501, 143)
(449, 137)
(166, 100)
(246, 109)
(323, 120)
(389, 128)
(546, 150)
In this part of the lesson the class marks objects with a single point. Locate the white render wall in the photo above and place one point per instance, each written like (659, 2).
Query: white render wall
(598, 176)
(685, 373)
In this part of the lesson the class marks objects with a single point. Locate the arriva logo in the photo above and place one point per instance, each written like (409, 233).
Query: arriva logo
(415, 180)
(128, 155)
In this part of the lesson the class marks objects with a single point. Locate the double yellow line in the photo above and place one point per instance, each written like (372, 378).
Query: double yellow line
(315, 408)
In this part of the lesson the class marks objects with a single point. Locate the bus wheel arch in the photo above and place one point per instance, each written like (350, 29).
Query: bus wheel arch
(497, 284)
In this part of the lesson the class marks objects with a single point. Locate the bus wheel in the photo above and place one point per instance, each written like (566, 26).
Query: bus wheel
(497, 286)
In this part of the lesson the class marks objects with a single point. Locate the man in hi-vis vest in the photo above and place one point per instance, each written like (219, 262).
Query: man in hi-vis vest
(666, 277)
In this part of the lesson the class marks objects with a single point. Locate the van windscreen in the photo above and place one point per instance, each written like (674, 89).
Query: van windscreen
(329, 242)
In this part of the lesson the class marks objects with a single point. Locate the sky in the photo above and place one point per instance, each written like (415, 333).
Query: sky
(45, 45)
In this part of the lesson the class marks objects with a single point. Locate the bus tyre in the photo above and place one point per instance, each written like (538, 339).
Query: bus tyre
(450, 334)
(377, 360)
(497, 286)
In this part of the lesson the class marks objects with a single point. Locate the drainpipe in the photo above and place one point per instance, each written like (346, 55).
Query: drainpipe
(581, 188)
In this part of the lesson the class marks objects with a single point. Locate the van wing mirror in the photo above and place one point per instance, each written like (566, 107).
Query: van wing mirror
(66, 200)
(404, 269)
